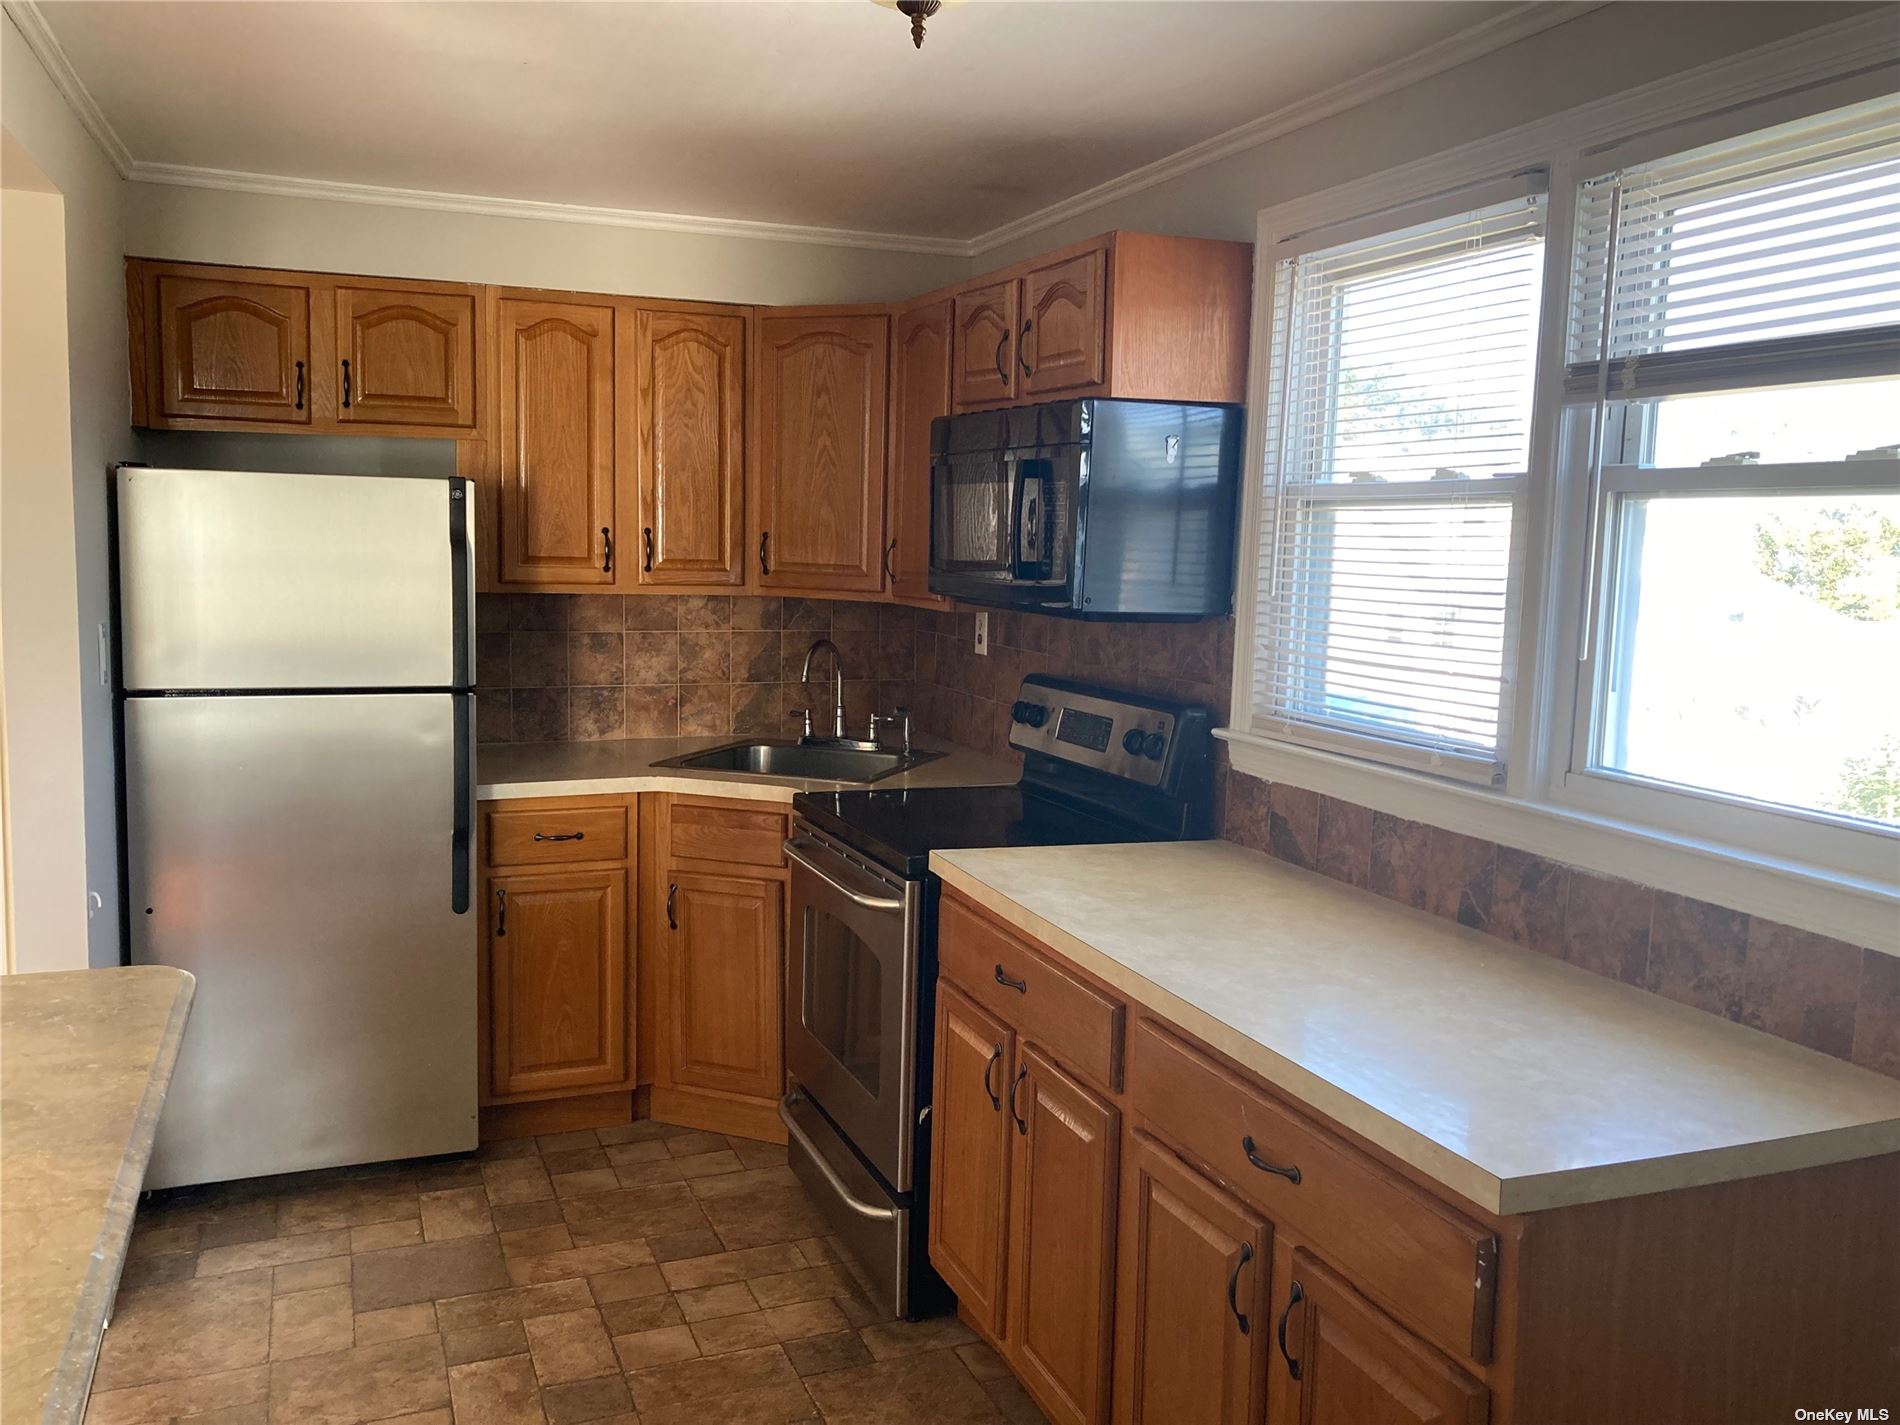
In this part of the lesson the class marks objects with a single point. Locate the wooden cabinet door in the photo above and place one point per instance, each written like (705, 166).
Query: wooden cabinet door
(689, 437)
(920, 392)
(557, 981)
(1061, 1251)
(727, 934)
(234, 351)
(555, 368)
(819, 499)
(1065, 336)
(1191, 1328)
(984, 356)
(405, 358)
(1356, 1366)
(970, 1156)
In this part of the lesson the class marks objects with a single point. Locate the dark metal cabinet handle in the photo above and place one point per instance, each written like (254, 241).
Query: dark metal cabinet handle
(501, 911)
(346, 384)
(606, 550)
(890, 574)
(765, 566)
(646, 541)
(1002, 371)
(1021, 1127)
(1022, 351)
(672, 898)
(1294, 1298)
(996, 1056)
(300, 385)
(1020, 986)
(1291, 1173)
(563, 836)
(1233, 1288)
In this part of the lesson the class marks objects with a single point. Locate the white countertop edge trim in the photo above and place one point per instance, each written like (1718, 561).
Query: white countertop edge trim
(1603, 1182)
(763, 790)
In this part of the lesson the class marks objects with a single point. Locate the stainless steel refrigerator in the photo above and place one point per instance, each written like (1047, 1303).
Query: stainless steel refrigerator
(297, 735)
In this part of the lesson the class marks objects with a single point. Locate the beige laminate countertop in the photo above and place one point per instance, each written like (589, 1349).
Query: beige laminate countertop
(580, 769)
(85, 1059)
(1511, 1079)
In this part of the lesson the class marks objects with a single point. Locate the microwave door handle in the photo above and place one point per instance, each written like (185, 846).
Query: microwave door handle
(1032, 521)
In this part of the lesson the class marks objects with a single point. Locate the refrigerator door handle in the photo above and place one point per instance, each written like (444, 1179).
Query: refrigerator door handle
(462, 838)
(462, 597)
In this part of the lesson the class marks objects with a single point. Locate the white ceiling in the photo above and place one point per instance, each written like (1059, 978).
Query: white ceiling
(815, 113)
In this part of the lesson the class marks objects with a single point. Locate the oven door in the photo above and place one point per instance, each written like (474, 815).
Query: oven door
(851, 1003)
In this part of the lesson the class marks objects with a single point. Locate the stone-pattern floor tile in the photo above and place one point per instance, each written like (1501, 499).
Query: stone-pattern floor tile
(639, 1275)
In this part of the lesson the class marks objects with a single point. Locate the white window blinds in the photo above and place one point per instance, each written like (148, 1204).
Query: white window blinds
(1398, 434)
(1758, 261)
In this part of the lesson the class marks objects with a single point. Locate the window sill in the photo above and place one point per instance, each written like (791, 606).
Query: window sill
(1861, 912)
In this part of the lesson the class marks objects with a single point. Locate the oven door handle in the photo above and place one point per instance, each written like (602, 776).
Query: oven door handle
(796, 849)
(850, 1199)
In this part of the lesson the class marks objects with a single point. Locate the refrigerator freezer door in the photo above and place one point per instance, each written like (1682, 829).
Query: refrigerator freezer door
(296, 855)
(243, 580)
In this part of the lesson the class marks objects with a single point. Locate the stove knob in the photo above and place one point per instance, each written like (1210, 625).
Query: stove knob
(1153, 747)
(1132, 741)
(1032, 714)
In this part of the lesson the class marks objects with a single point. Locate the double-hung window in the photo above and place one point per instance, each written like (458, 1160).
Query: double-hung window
(1397, 450)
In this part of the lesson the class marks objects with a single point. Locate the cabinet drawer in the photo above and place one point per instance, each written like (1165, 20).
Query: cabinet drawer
(710, 831)
(532, 838)
(1410, 1252)
(1045, 1003)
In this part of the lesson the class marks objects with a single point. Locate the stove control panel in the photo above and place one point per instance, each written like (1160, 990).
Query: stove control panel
(1124, 734)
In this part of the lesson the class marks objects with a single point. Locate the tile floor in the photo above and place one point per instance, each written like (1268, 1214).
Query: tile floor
(644, 1275)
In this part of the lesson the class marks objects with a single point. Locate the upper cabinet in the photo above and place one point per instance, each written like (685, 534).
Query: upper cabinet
(1128, 314)
(920, 392)
(222, 348)
(819, 392)
(690, 445)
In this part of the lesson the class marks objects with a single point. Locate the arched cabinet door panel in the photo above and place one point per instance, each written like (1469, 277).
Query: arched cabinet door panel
(984, 359)
(1064, 326)
(690, 438)
(405, 358)
(234, 351)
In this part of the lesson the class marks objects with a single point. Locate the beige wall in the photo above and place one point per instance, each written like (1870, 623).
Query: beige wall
(99, 401)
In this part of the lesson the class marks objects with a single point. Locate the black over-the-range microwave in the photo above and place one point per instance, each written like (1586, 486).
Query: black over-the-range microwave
(1087, 508)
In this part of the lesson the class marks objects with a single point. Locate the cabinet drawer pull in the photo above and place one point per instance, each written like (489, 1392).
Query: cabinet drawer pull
(501, 912)
(606, 550)
(765, 565)
(1294, 1298)
(1021, 1127)
(1022, 351)
(563, 836)
(672, 897)
(300, 385)
(346, 384)
(996, 1054)
(1020, 986)
(1291, 1172)
(1233, 1288)
(646, 540)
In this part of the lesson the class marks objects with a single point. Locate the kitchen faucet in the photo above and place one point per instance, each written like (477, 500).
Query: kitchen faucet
(837, 668)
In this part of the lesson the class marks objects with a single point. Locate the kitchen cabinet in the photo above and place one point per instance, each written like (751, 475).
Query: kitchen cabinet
(233, 348)
(819, 394)
(405, 357)
(1192, 1329)
(969, 1188)
(920, 392)
(557, 506)
(1344, 1362)
(984, 350)
(689, 446)
(1064, 329)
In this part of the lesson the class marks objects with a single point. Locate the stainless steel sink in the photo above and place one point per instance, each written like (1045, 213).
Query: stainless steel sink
(763, 757)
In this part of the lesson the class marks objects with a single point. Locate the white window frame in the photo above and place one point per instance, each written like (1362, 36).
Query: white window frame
(1705, 845)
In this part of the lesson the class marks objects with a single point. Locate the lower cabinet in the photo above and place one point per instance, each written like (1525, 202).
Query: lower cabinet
(726, 950)
(557, 978)
(969, 1172)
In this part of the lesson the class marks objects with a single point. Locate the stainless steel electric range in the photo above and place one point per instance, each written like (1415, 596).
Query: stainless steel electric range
(1099, 766)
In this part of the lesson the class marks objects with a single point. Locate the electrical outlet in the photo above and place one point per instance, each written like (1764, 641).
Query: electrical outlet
(982, 635)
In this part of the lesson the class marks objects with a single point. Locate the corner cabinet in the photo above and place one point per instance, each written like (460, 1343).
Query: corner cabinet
(818, 395)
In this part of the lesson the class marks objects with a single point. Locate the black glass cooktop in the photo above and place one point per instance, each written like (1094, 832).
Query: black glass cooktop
(900, 829)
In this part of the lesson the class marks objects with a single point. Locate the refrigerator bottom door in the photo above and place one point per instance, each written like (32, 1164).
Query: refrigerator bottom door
(295, 853)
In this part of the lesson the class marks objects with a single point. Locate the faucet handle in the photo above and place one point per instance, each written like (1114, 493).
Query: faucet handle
(902, 714)
(877, 721)
(804, 713)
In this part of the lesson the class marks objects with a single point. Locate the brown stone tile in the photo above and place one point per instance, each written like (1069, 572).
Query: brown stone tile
(596, 714)
(627, 1284)
(647, 1313)
(545, 611)
(632, 1213)
(807, 616)
(537, 660)
(587, 1400)
(815, 1355)
(705, 658)
(536, 1241)
(578, 1262)
(755, 1154)
(858, 1311)
(575, 1160)
(705, 611)
(1345, 842)
(596, 660)
(1606, 926)
(1696, 954)
(650, 1174)
(1293, 824)
(806, 1285)
(651, 612)
(516, 1180)
(644, 1350)
(806, 1318)
(307, 1276)
(178, 1399)
(249, 1256)
(494, 715)
(1401, 853)
(692, 1143)
(569, 1346)
(447, 1174)
(257, 1412)
(756, 706)
(1877, 1017)
(491, 1308)
(1801, 986)
(676, 1246)
(202, 1326)
(981, 1361)
(502, 1391)
(702, 1303)
(310, 1323)
(380, 1235)
(1013, 1401)
(255, 1226)
(761, 1216)
(1530, 901)
(458, 1212)
(646, 1150)
(431, 1271)
(538, 714)
(361, 1383)
(596, 613)
(514, 1216)
(1461, 874)
(653, 712)
(817, 1251)
(888, 1340)
(482, 1343)
(741, 1182)
(705, 709)
(396, 1323)
(421, 1417)
(588, 1180)
(653, 659)
(723, 1267)
(703, 1381)
(157, 1271)
(573, 1140)
(928, 1389)
(721, 1334)
(755, 657)
(706, 1165)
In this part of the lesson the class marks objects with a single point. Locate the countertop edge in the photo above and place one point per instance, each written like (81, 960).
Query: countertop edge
(67, 1391)
(702, 786)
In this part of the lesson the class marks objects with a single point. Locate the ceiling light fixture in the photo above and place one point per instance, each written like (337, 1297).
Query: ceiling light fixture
(918, 10)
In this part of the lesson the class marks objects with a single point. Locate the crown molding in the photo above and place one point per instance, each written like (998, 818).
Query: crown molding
(1510, 25)
(39, 38)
